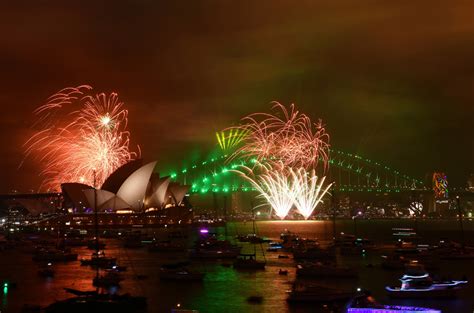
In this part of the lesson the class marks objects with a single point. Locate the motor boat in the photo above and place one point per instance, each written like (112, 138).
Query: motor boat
(394, 262)
(303, 292)
(93, 244)
(274, 247)
(100, 260)
(215, 249)
(110, 279)
(46, 271)
(116, 268)
(311, 253)
(364, 303)
(289, 239)
(249, 262)
(251, 238)
(94, 302)
(417, 283)
(166, 246)
(54, 255)
(179, 272)
(283, 272)
(457, 254)
(319, 269)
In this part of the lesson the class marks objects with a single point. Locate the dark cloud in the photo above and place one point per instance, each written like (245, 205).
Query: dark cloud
(393, 80)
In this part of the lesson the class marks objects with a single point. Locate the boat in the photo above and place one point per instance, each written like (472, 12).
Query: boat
(166, 246)
(417, 283)
(54, 255)
(215, 249)
(274, 247)
(110, 279)
(344, 240)
(100, 260)
(93, 244)
(394, 262)
(457, 254)
(181, 275)
(304, 292)
(251, 238)
(364, 303)
(116, 268)
(98, 303)
(311, 253)
(289, 239)
(282, 272)
(249, 262)
(179, 272)
(46, 271)
(319, 269)
(255, 299)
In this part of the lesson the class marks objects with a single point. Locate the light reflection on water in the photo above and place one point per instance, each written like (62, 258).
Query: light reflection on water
(224, 289)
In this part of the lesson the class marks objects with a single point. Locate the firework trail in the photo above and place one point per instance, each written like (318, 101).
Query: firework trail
(291, 139)
(80, 137)
(308, 192)
(230, 138)
(273, 184)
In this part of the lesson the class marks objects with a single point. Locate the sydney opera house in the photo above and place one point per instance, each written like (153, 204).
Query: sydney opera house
(133, 189)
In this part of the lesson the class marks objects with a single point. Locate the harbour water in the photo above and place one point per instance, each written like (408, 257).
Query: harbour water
(225, 289)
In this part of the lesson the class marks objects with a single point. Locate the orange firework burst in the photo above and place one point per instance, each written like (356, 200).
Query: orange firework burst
(290, 138)
(80, 137)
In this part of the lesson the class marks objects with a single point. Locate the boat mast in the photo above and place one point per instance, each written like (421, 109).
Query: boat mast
(225, 217)
(96, 225)
(333, 200)
(458, 202)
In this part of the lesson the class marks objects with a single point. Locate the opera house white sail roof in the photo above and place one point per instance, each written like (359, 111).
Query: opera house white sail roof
(133, 186)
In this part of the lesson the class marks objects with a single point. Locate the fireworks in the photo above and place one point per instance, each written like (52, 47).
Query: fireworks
(291, 139)
(273, 185)
(307, 190)
(284, 147)
(230, 138)
(283, 188)
(80, 137)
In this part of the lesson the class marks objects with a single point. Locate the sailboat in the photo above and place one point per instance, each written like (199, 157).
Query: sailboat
(249, 261)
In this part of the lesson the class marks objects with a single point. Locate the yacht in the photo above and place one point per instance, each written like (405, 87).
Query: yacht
(166, 246)
(54, 255)
(94, 302)
(364, 303)
(417, 283)
(303, 292)
(319, 269)
(180, 275)
(215, 249)
(249, 262)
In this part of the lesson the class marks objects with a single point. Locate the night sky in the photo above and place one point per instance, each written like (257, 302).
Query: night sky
(392, 80)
